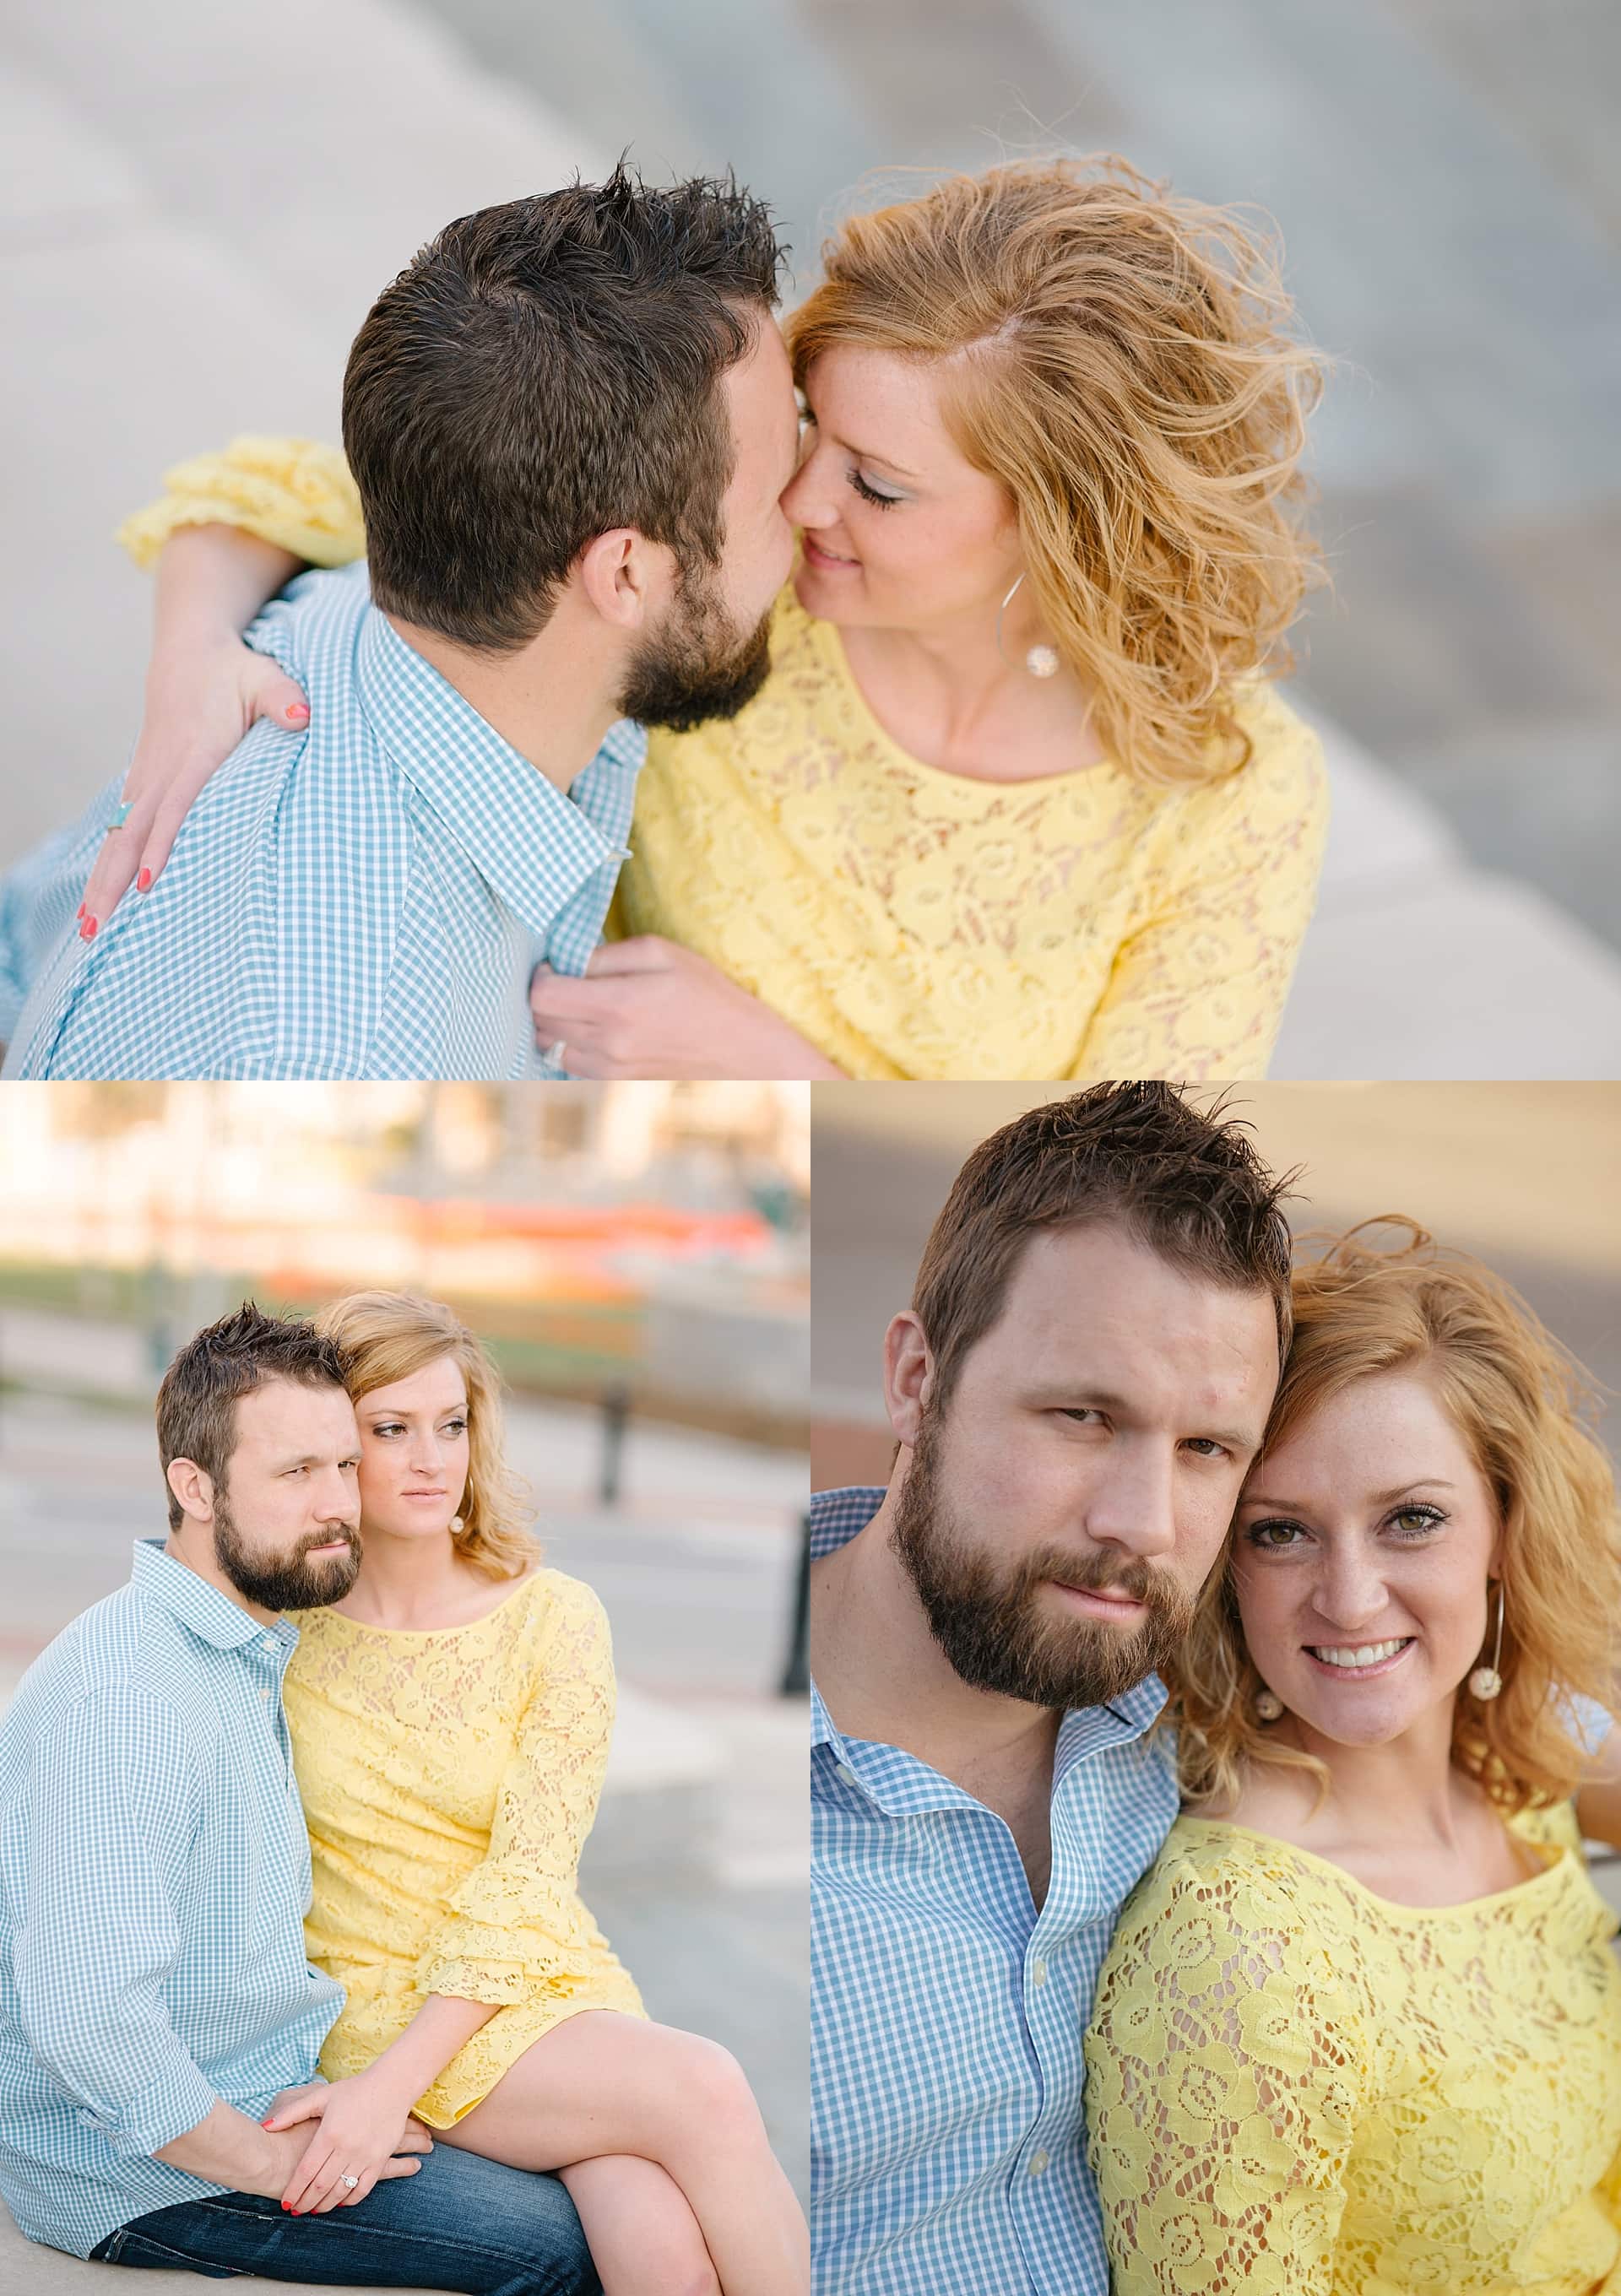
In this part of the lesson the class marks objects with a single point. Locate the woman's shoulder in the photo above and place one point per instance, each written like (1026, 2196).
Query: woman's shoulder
(1284, 777)
(1213, 1863)
(550, 1607)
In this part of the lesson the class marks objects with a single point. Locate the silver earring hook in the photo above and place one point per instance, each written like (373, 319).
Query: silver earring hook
(1041, 660)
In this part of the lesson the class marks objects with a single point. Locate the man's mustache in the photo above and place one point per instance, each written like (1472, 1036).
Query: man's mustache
(1096, 1573)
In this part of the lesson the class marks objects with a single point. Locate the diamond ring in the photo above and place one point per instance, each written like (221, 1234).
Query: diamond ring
(349, 2183)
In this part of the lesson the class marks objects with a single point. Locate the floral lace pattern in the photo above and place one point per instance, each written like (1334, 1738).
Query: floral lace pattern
(1293, 2085)
(912, 922)
(449, 1780)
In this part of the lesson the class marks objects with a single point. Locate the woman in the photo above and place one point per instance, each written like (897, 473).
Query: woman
(450, 1720)
(1017, 800)
(1360, 2025)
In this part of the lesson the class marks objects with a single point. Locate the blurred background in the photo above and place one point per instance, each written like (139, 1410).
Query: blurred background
(198, 203)
(636, 1257)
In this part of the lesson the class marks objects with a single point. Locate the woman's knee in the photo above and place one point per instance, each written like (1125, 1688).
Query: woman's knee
(709, 2087)
(643, 2211)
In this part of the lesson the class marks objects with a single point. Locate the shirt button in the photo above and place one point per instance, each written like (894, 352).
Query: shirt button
(845, 1772)
(269, 1647)
(1038, 2161)
(1038, 1973)
(264, 1693)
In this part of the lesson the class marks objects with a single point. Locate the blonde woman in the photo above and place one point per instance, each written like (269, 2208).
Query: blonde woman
(1360, 2025)
(450, 1721)
(1018, 798)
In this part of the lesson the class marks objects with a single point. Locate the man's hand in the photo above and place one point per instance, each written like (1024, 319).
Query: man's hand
(649, 1008)
(362, 2126)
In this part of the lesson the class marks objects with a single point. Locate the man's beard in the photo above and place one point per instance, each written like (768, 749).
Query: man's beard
(698, 668)
(287, 1582)
(992, 1625)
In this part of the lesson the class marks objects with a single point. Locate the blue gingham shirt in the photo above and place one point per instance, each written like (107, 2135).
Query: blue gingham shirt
(366, 897)
(948, 2157)
(154, 1875)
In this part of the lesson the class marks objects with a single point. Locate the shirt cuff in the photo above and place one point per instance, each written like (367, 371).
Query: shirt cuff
(155, 2115)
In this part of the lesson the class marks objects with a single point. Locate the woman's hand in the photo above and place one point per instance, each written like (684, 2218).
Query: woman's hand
(203, 691)
(647, 1008)
(362, 2123)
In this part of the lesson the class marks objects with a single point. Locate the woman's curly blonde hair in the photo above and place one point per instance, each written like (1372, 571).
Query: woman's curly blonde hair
(386, 1336)
(1120, 361)
(1521, 1404)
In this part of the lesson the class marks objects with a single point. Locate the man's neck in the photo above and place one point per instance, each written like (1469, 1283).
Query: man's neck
(552, 701)
(883, 1677)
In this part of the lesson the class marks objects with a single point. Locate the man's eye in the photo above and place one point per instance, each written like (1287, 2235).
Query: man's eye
(1207, 1447)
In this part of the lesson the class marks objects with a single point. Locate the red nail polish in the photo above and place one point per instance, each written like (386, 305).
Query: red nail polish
(79, 911)
(298, 713)
(87, 931)
(143, 881)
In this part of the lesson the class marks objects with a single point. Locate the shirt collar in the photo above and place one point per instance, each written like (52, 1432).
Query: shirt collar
(202, 1609)
(530, 841)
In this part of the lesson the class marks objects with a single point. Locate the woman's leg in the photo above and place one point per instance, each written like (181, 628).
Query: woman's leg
(643, 2237)
(603, 2083)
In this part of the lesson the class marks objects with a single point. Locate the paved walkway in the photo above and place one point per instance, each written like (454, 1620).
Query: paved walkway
(191, 225)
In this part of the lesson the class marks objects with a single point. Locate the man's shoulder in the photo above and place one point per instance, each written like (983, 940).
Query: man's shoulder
(122, 1653)
(837, 1515)
(316, 610)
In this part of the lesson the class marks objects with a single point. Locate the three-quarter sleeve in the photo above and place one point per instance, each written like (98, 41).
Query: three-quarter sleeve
(1197, 992)
(1225, 2071)
(515, 1921)
(295, 493)
(114, 1787)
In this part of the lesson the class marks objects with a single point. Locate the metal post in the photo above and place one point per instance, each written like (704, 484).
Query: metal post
(797, 1673)
(615, 1414)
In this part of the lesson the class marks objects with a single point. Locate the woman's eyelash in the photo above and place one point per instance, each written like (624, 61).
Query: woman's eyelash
(871, 494)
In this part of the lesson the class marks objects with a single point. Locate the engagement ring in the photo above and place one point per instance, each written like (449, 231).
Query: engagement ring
(349, 2183)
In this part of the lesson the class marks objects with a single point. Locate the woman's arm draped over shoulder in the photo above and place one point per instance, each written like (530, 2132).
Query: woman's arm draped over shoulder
(228, 532)
(1223, 2077)
(1198, 992)
(513, 1920)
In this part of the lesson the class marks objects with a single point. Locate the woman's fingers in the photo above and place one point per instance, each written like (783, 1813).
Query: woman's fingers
(298, 2108)
(268, 692)
(351, 2200)
(117, 860)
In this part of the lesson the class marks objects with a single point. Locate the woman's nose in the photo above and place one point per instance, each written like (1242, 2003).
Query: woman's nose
(1350, 1593)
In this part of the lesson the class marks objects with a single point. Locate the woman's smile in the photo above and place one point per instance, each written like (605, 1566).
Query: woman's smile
(1359, 1662)
(819, 556)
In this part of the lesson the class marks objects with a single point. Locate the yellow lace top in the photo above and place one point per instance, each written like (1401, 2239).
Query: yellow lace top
(449, 1779)
(909, 922)
(1294, 2085)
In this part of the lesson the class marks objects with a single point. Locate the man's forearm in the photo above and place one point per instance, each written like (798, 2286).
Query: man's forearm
(211, 581)
(227, 2148)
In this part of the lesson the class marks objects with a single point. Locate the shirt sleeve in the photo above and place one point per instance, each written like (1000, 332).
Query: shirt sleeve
(517, 1920)
(38, 898)
(1198, 991)
(111, 1809)
(1224, 2072)
(293, 492)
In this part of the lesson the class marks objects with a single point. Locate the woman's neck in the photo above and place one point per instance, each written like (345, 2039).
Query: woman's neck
(950, 697)
(408, 1582)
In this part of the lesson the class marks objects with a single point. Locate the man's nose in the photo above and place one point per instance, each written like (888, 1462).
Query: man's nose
(1133, 1505)
(337, 1498)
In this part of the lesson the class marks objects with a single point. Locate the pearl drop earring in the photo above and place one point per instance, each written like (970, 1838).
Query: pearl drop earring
(1487, 1681)
(1041, 660)
(1269, 1705)
(456, 1526)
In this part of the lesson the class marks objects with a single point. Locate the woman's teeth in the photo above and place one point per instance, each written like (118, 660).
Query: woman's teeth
(1361, 1655)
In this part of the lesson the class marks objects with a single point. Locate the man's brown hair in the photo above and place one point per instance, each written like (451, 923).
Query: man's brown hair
(1185, 1181)
(201, 1388)
(542, 372)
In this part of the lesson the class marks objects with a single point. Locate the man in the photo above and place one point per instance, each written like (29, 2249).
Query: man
(1076, 1391)
(154, 1872)
(570, 420)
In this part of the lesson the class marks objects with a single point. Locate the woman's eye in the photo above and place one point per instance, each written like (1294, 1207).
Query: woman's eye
(387, 1427)
(1274, 1534)
(871, 494)
(1413, 1521)
(454, 1427)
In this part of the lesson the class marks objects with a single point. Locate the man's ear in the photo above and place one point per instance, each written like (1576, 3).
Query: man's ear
(619, 578)
(191, 1487)
(908, 1375)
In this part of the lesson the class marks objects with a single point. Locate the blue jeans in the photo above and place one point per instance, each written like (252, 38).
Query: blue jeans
(460, 2223)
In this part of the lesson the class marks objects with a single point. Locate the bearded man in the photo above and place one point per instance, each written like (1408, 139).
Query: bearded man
(1076, 1391)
